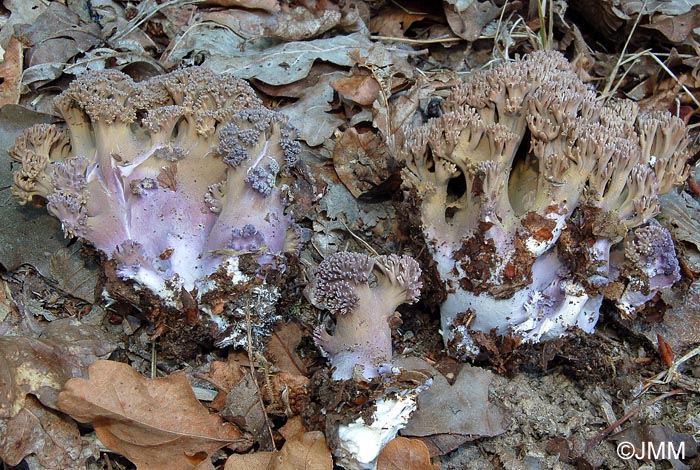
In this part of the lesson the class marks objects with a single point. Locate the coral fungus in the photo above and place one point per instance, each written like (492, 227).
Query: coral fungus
(524, 157)
(362, 292)
(172, 178)
(362, 308)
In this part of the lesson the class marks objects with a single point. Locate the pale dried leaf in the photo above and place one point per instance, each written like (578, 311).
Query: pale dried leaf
(202, 38)
(22, 12)
(310, 113)
(461, 409)
(123, 34)
(681, 213)
(402, 453)
(40, 366)
(680, 327)
(292, 23)
(360, 161)
(226, 374)
(291, 61)
(155, 423)
(292, 427)
(676, 28)
(243, 408)
(468, 17)
(72, 275)
(307, 451)
(645, 7)
(394, 21)
(57, 36)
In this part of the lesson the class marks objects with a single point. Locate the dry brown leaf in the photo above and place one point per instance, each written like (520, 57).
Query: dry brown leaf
(360, 88)
(224, 375)
(55, 37)
(268, 5)
(155, 423)
(11, 72)
(40, 366)
(32, 371)
(394, 21)
(255, 461)
(402, 453)
(311, 112)
(307, 451)
(73, 275)
(360, 161)
(42, 432)
(676, 28)
(243, 407)
(293, 426)
(293, 22)
(281, 349)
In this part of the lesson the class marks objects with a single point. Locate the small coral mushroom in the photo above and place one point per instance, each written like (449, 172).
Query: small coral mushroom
(363, 293)
(172, 178)
(524, 184)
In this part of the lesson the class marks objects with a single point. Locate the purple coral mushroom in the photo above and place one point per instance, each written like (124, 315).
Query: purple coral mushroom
(497, 242)
(172, 178)
(362, 293)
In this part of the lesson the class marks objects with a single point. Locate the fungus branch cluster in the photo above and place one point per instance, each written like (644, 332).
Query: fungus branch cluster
(525, 183)
(172, 178)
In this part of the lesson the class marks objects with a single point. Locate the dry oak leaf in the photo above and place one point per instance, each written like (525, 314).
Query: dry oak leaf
(155, 423)
(405, 454)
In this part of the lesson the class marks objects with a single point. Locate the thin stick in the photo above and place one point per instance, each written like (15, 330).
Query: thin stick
(154, 361)
(406, 10)
(613, 74)
(668, 71)
(356, 237)
(609, 430)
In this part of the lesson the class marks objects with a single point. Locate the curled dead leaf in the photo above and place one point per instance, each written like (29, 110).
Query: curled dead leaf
(155, 423)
